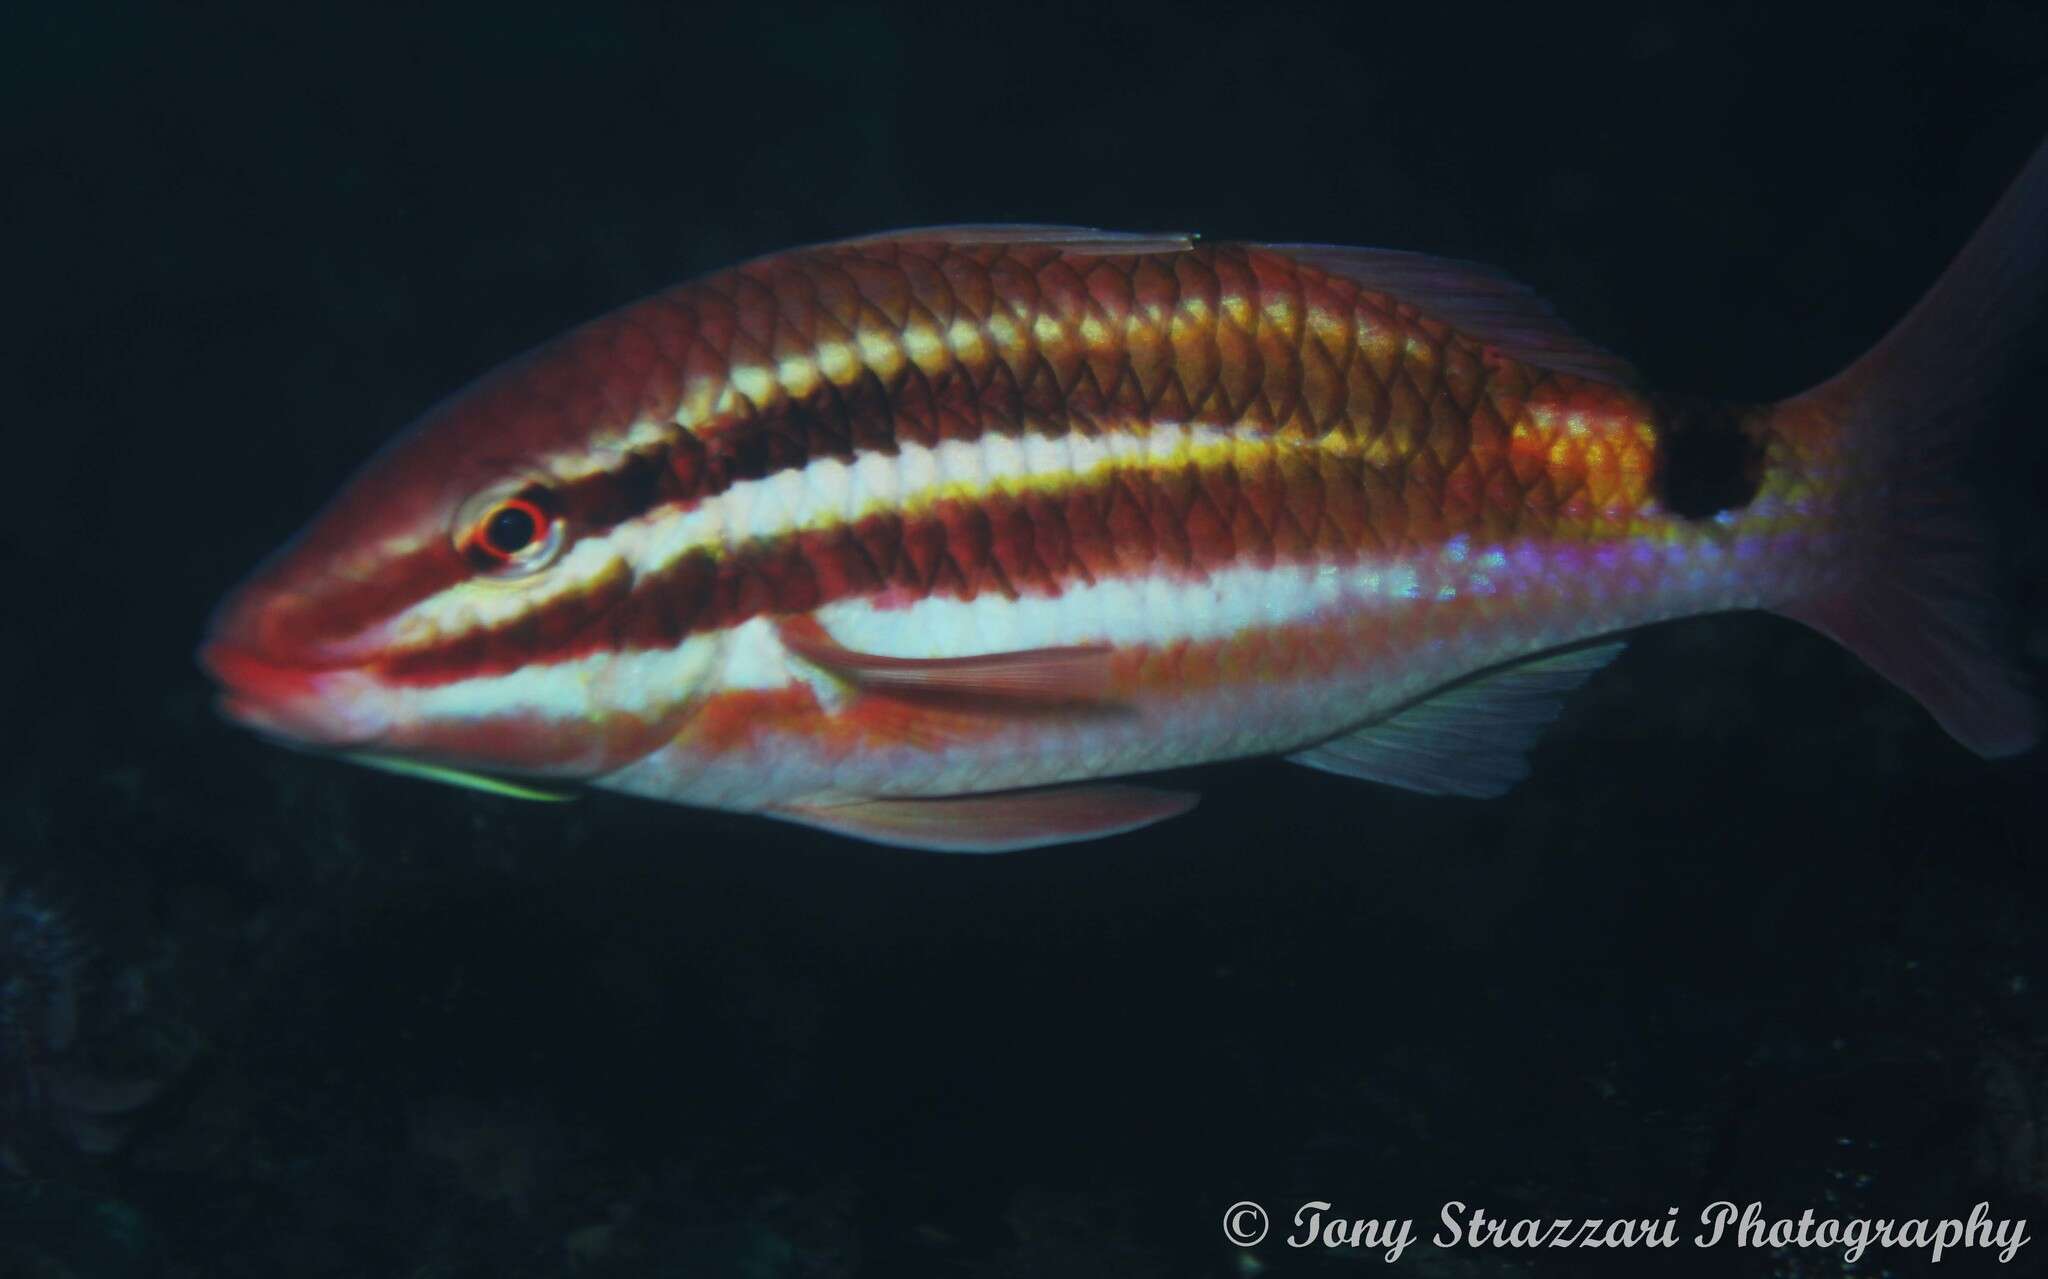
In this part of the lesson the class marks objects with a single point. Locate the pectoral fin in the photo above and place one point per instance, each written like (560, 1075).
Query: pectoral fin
(1033, 677)
(1471, 739)
(997, 823)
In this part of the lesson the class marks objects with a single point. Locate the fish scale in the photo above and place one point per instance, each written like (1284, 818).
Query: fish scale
(880, 536)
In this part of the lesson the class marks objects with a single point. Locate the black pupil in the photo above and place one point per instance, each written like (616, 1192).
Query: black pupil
(511, 530)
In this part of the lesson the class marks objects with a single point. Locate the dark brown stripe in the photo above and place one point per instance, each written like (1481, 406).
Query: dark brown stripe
(1162, 366)
(1233, 363)
(1316, 507)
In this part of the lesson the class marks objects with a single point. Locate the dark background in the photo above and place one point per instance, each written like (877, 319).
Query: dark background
(1756, 930)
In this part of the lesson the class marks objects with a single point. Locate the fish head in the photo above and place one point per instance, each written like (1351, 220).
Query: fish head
(458, 604)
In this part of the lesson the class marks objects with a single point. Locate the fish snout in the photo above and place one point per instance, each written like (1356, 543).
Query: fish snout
(286, 690)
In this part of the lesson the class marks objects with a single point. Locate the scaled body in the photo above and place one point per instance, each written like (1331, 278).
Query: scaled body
(846, 530)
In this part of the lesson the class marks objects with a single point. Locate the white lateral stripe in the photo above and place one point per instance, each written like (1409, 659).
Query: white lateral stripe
(1149, 610)
(822, 494)
(1144, 610)
(832, 491)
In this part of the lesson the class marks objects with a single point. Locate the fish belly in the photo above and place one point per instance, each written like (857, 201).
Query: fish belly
(1234, 661)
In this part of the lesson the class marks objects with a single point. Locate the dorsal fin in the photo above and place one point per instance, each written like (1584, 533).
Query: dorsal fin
(1068, 239)
(1478, 301)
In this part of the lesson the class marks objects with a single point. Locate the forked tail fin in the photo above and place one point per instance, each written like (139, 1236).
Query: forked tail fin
(1917, 603)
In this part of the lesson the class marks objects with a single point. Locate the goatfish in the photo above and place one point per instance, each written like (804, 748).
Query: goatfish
(918, 538)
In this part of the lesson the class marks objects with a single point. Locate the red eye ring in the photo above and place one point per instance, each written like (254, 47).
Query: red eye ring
(510, 528)
(510, 532)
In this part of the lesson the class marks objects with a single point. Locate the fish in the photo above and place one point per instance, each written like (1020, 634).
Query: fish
(938, 538)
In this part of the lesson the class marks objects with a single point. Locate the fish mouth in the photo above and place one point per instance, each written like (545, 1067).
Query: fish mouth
(323, 707)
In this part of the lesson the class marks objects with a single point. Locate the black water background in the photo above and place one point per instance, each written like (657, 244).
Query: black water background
(1756, 930)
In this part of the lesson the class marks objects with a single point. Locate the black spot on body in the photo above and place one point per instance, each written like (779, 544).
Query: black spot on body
(1709, 456)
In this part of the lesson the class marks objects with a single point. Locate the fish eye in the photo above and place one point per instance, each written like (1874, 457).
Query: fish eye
(510, 531)
(512, 528)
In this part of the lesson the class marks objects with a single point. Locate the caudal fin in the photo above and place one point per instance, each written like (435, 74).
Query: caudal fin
(1918, 604)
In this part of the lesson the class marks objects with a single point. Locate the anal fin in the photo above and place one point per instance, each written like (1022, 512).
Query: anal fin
(996, 823)
(1470, 739)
